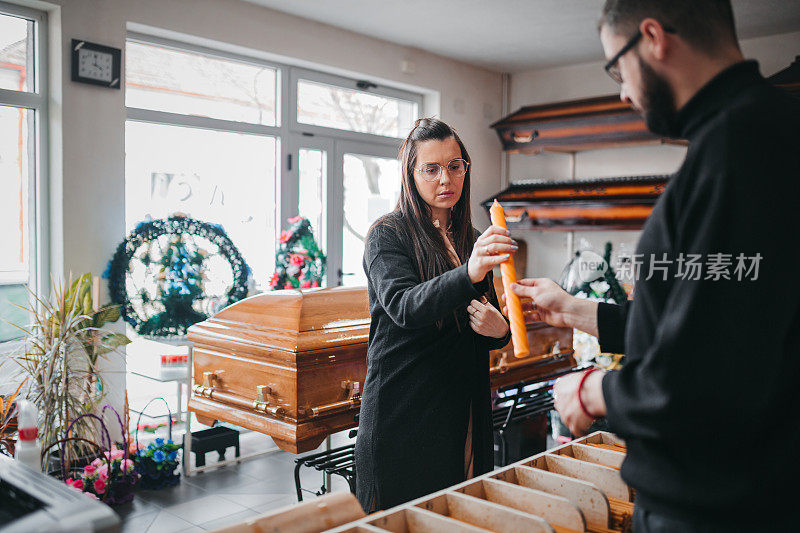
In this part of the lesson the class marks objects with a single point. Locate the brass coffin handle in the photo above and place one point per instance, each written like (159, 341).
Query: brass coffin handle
(353, 390)
(261, 403)
(207, 388)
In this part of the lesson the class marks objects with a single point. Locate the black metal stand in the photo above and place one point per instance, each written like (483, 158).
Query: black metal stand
(215, 439)
(521, 404)
(336, 461)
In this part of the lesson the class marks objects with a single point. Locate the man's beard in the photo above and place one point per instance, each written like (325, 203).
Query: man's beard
(658, 103)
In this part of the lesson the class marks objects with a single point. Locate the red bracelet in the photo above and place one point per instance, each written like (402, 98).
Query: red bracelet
(580, 400)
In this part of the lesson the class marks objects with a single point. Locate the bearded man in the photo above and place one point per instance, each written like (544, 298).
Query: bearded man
(708, 399)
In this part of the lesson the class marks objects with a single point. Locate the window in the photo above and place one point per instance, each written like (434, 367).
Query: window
(217, 176)
(201, 140)
(247, 144)
(22, 138)
(330, 106)
(189, 83)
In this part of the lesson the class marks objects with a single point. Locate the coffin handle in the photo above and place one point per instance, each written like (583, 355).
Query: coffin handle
(353, 390)
(261, 403)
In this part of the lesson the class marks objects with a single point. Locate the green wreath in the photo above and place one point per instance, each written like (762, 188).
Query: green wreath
(171, 273)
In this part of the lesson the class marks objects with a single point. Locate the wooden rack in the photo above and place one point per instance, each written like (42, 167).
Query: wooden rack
(572, 488)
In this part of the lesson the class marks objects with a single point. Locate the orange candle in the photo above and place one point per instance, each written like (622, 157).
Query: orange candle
(519, 333)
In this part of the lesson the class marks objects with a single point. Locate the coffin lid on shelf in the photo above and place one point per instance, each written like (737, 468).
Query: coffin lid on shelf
(598, 203)
(571, 126)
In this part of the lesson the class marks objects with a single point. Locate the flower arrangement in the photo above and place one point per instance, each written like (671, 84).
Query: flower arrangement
(110, 478)
(299, 263)
(173, 272)
(157, 463)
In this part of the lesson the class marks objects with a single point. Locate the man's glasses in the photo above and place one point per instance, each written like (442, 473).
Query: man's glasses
(457, 168)
(612, 68)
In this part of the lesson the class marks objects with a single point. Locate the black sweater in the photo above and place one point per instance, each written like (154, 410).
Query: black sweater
(421, 379)
(708, 400)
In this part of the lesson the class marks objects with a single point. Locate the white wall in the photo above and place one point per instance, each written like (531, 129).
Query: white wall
(547, 252)
(88, 149)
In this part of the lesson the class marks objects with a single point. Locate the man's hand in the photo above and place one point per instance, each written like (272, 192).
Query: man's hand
(565, 392)
(556, 306)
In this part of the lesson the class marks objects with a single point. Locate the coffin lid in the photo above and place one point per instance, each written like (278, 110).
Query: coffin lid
(596, 203)
(292, 320)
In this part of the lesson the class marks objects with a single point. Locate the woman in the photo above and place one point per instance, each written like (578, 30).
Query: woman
(425, 420)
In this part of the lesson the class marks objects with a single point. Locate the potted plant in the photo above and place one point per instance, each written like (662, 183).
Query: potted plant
(59, 359)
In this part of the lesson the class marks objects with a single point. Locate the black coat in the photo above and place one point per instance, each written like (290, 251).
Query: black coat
(713, 365)
(420, 379)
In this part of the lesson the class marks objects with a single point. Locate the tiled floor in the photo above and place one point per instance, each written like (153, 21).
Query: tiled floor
(223, 496)
(226, 495)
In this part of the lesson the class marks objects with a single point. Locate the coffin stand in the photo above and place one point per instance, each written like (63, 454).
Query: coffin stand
(291, 363)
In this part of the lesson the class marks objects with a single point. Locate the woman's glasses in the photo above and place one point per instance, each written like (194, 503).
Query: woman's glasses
(457, 168)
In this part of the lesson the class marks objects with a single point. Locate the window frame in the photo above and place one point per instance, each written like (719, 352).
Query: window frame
(298, 74)
(37, 101)
(290, 135)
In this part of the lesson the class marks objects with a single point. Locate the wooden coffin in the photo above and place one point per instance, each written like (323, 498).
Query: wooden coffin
(291, 364)
(573, 488)
(588, 204)
(571, 126)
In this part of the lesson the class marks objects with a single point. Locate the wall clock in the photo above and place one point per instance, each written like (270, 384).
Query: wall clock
(96, 64)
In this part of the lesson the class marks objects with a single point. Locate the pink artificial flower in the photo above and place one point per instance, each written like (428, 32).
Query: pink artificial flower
(127, 465)
(295, 219)
(288, 285)
(102, 472)
(100, 486)
(89, 470)
(273, 281)
(97, 462)
(117, 454)
(285, 236)
(69, 481)
(92, 496)
(297, 259)
(315, 284)
(305, 285)
(78, 484)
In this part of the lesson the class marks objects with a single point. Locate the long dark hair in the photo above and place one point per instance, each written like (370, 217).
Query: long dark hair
(412, 216)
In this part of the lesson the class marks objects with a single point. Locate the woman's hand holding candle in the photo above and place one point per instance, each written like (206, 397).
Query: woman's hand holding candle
(519, 332)
(493, 247)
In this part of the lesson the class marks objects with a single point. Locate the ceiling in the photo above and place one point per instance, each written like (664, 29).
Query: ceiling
(506, 35)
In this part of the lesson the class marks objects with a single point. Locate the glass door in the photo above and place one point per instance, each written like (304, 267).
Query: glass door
(311, 163)
(342, 187)
(369, 188)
